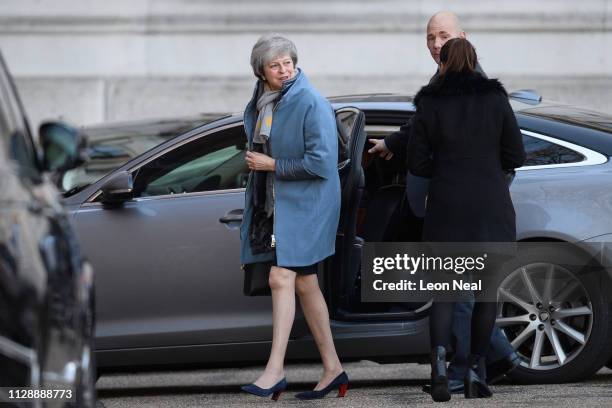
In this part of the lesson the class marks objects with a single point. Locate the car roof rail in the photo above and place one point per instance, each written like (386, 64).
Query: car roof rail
(530, 96)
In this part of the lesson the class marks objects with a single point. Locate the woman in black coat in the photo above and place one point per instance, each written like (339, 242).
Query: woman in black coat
(464, 136)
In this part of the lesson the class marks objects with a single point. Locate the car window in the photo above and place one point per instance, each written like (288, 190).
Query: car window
(15, 133)
(542, 152)
(112, 145)
(4, 131)
(22, 151)
(208, 163)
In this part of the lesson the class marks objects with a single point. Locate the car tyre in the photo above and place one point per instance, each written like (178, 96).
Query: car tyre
(86, 387)
(562, 357)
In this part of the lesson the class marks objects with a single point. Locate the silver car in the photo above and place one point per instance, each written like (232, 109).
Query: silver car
(162, 233)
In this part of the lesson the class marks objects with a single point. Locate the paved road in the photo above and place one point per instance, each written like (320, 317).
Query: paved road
(372, 385)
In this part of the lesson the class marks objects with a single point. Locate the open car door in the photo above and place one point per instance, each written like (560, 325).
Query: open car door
(343, 267)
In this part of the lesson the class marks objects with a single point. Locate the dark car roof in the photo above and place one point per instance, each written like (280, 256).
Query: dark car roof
(378, 97)
(545, 109)
(570, 123)
(398, 106)
(573, 124)
(573, 115)
(121, 140)
(159, 127)
(112, 145)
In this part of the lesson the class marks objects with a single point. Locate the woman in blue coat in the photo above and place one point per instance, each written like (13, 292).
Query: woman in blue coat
(292, 205)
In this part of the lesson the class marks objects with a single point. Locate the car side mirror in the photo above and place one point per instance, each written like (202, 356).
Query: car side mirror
(64, 147)
(118, 188)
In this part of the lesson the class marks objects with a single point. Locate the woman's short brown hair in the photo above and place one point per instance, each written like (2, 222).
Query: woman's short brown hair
(458, 55)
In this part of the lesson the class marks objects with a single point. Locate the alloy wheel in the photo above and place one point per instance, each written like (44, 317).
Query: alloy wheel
(546, 313)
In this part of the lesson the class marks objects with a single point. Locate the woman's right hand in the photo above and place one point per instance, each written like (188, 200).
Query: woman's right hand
(260, 162)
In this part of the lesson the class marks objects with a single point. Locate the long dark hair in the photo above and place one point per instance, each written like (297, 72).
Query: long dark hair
(458, 55)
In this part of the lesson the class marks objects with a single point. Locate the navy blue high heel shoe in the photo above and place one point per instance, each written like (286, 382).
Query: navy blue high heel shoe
(276, 390)
(340, 382)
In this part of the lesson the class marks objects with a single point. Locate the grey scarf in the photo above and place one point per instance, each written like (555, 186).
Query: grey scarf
(265, 107)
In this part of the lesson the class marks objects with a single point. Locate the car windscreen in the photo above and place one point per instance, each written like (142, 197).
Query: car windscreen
(112, 145)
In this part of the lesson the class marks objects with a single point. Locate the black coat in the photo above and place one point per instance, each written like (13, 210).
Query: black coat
(397, 142)
(463, 136)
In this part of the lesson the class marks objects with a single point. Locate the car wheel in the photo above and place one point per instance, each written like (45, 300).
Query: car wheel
(86, 388)
(33, 321)
(554, 312)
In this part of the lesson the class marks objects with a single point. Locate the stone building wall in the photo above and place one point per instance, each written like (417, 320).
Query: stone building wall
(92, 61)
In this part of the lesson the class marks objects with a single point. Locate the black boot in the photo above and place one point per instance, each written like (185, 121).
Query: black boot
(474, 384)
(497, 369)
(439, 379)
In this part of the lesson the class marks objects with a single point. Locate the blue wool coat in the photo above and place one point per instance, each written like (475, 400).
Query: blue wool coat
(304, 143)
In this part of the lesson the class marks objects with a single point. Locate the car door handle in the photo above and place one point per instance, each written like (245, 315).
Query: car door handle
(232, 216)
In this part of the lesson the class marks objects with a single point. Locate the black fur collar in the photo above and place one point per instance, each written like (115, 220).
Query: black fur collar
(458, 83)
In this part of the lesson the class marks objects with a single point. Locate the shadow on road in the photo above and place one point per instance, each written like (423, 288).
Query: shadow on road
(231, 388)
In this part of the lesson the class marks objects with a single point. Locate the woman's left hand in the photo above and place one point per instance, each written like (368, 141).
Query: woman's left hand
(258, 161)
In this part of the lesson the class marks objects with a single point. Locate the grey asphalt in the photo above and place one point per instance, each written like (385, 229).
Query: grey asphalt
(372, 385)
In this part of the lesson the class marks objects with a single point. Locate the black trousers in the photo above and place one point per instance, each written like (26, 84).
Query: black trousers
(483, 320)
(483, 315)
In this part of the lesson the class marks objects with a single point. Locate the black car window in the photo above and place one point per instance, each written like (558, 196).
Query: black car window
(22, 151)
(14, 131)
(542, 152)
(211, 162)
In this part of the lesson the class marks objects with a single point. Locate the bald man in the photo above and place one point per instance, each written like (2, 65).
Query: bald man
(501, 358)
(441, 27)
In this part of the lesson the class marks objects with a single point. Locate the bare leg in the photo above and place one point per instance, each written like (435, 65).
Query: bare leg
(282, 283)
(317, 316)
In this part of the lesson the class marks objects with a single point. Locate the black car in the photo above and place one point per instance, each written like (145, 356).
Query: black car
(46, 289)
